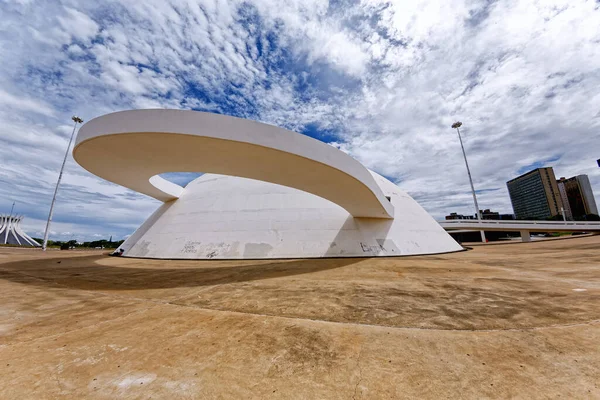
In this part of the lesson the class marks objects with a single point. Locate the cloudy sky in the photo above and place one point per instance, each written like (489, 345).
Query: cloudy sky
(383, 81)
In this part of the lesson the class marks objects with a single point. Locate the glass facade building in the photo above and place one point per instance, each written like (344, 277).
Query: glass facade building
(535, 194)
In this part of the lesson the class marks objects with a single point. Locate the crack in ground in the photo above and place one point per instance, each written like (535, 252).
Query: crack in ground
(359, 373)
(57, 379)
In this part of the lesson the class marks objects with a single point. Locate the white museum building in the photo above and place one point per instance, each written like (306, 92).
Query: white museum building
(266, 192)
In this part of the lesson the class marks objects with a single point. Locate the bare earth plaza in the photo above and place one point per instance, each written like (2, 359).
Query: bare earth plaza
(299, 200)
(498, 321)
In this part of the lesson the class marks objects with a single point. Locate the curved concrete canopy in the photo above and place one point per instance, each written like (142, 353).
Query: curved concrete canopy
(131, 148)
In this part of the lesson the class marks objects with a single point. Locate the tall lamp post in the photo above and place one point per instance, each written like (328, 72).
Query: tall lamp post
(456, 126)
(76, 120)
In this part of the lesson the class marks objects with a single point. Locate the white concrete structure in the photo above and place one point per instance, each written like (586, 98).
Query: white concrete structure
(523, 226)
(11, 232)
(267, 192)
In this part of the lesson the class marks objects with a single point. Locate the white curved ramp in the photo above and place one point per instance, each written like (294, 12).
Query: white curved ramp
(268, 193)
(141, 144)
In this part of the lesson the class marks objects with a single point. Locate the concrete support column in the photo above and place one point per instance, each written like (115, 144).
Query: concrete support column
(525, 236)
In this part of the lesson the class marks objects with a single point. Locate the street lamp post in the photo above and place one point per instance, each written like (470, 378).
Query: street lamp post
(456, 126)
(76, 120)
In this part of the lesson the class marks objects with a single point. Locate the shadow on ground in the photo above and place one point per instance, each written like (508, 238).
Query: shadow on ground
(87, 274)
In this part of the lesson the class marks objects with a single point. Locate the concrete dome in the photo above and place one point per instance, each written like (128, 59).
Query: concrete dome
(225, 217)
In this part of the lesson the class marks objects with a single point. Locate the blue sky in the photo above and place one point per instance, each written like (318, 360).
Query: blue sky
(382, 81)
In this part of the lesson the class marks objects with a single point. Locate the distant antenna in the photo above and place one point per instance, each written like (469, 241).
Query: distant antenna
(12, 208)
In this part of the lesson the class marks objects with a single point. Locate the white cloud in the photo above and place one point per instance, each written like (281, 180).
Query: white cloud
(21, 103)
(78, 25)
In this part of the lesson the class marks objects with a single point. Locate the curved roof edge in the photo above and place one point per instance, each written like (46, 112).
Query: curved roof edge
(131, 147)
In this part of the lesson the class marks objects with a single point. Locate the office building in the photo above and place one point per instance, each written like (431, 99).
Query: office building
(535, 194)
(562, 190)
(485, 214)
(459, 216)
(489, 214)
(577, 196)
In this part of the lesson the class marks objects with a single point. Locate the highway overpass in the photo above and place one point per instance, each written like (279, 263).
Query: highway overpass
(524, 227)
